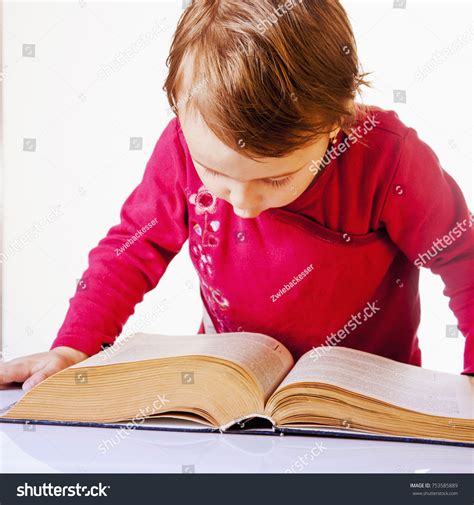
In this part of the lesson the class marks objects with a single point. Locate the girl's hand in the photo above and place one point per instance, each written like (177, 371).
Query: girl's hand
(33, 369)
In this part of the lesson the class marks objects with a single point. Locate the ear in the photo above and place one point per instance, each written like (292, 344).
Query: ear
(333, 133)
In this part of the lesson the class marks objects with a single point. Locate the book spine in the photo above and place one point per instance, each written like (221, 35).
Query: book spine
(241, 421)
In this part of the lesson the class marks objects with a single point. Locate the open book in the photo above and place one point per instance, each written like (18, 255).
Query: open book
(231, 381)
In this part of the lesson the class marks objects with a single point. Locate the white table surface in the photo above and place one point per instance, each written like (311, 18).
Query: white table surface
(53, 449)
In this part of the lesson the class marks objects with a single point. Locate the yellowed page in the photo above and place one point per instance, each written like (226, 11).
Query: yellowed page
(264, 357)
(407, 386)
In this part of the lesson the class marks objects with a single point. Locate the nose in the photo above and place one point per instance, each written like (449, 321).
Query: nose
(240, 195)
(244, 199)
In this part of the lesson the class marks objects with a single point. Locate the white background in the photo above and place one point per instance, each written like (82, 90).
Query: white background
(83, 122)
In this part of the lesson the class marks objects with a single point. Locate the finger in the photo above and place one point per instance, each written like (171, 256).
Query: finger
(14, 371)
(38, 376)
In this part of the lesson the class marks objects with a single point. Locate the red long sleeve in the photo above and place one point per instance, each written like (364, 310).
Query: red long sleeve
(427, 217)
(133, 256)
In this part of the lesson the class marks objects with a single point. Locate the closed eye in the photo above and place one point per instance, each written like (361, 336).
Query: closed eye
(278, 182)
(272, 182)
(211, 172)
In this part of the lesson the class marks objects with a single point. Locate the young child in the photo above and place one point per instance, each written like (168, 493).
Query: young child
(308, 214)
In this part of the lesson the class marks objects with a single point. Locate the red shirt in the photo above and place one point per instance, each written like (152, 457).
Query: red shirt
(337, 266)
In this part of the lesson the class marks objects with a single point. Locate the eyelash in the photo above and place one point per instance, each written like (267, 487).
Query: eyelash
(278, 183)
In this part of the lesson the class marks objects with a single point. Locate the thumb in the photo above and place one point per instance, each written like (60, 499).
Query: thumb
(38, 376)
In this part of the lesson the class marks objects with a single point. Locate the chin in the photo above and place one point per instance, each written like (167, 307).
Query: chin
(247, 214)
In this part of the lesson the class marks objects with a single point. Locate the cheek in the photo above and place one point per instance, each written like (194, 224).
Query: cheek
(281, 198)
(291, 191)
(307, 178)
(214, 185)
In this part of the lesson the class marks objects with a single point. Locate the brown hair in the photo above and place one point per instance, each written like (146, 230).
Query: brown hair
(268, 77)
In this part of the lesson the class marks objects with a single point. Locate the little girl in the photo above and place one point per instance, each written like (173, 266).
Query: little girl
(308, 215)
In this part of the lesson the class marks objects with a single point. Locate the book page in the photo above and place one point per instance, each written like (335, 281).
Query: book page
(264, 357)
(407, 386)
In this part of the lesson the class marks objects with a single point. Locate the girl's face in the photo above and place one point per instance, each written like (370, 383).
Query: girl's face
(251, 187)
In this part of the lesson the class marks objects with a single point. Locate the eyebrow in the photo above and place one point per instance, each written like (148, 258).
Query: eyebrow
(277, 177)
